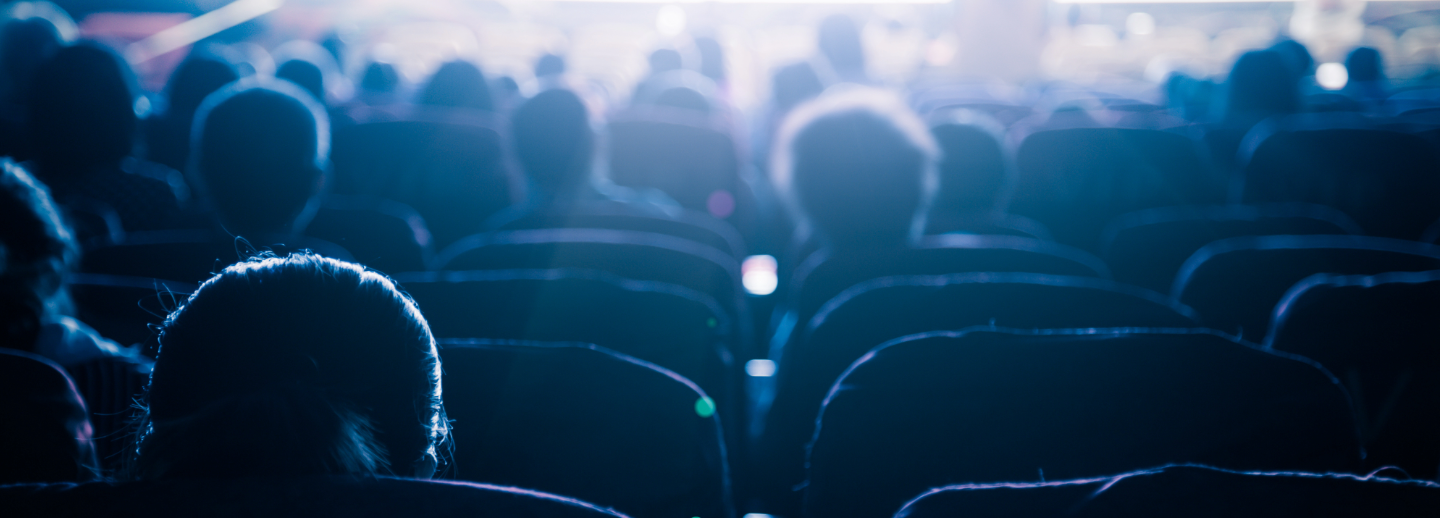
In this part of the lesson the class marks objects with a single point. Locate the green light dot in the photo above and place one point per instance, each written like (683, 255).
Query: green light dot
(710, 322)
(705, 407)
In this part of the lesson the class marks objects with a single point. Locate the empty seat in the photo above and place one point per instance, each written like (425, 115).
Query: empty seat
(454, 174)
(192, 255)
(47, 428)
(686, 154)
(581, 420)
(984, 405)
(1146, 248)
(1187, 491)
(674, 327)
(123, 308)
(633, 255)
(384, 235)
(1234, 283)
(871, 313)
(1385, 180)
(1075, 180)
(1377, 333)
(306, 496)
(683, 224)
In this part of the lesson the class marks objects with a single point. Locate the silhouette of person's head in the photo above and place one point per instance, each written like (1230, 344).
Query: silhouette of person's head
(795, 84)
(549, 65)
(839, 42)
(24, 44)
(1260, 85)
(860, 165)
(199, 76)
(36, 249)
(296, 365)
(458, 84)
(380, 78)
(682, 97)
(1365, 64)
(82, 113)
(553, 140)
(258, 153)
(305, 75)
(1297, 57)
(665, 60)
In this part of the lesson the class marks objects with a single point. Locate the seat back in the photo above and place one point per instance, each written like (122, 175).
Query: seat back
(455, 174)
(1234, 283)
(192, 255)
(1187, 491)
(826, 274)
(1377, 333)
(684, 154)
(974, 169)
(873, 312)
(124, 308)
(686, 225)
(306, 496)
(1075, 180)
(985, 405)
(581, 420)
(381, 234)
(47, 428)
(671, 326)
(1146, 248)
(1385, 180)
(633, 255)
(111, 386)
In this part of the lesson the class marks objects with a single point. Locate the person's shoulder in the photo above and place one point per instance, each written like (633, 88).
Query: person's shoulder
(70, 342)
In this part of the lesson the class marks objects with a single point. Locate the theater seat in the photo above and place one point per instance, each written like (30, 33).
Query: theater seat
(1187, 491)
(1234, 283)
(192, 255)
(383, 235)
(111, 386)
(683, 224)
(308, 496)
(871, 313)
(1378, 334)
(1146, 248)
(124, 308)
(47, 428)
(580, 420)
(981, 405)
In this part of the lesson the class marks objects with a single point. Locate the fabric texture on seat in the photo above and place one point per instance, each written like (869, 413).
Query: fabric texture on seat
(873, 312)
(308, 496)
(48, 434)
(986, 405)
(1146, 248)
(1187, 491)
(1234, 283)
(1377, 333)
(581, 420)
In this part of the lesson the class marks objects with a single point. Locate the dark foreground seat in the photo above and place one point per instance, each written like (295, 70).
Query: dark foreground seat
(47, 428)
(1186, 491)
(871, 313)
(1378, 334)
(981, 405)
(1234, 283)
(311, 496)
(580, 420)
(1146, 248)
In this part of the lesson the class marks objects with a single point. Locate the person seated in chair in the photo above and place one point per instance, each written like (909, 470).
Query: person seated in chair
(859, 166)
(292, 366)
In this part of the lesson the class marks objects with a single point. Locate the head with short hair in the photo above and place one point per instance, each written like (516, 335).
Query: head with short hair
(36, 249)
(380, 77)
(305, 75)
(258, 152)
(839, 42)
(199, 76)
(82, 111)
(291, 366)
(458, 84)
(24, 44)
(665, 60)
(858, 164)
(1261, 84)
(548, 65)
(553, 140)
(1365, 64)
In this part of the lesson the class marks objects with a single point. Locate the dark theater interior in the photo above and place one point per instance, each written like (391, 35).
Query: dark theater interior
(719, 259)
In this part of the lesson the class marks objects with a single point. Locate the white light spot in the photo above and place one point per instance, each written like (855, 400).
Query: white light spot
(1140, 24)
(1332, 76)
(758, 516)
(670, 21)
(760, 368)
(758, 274)
(142, 107)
